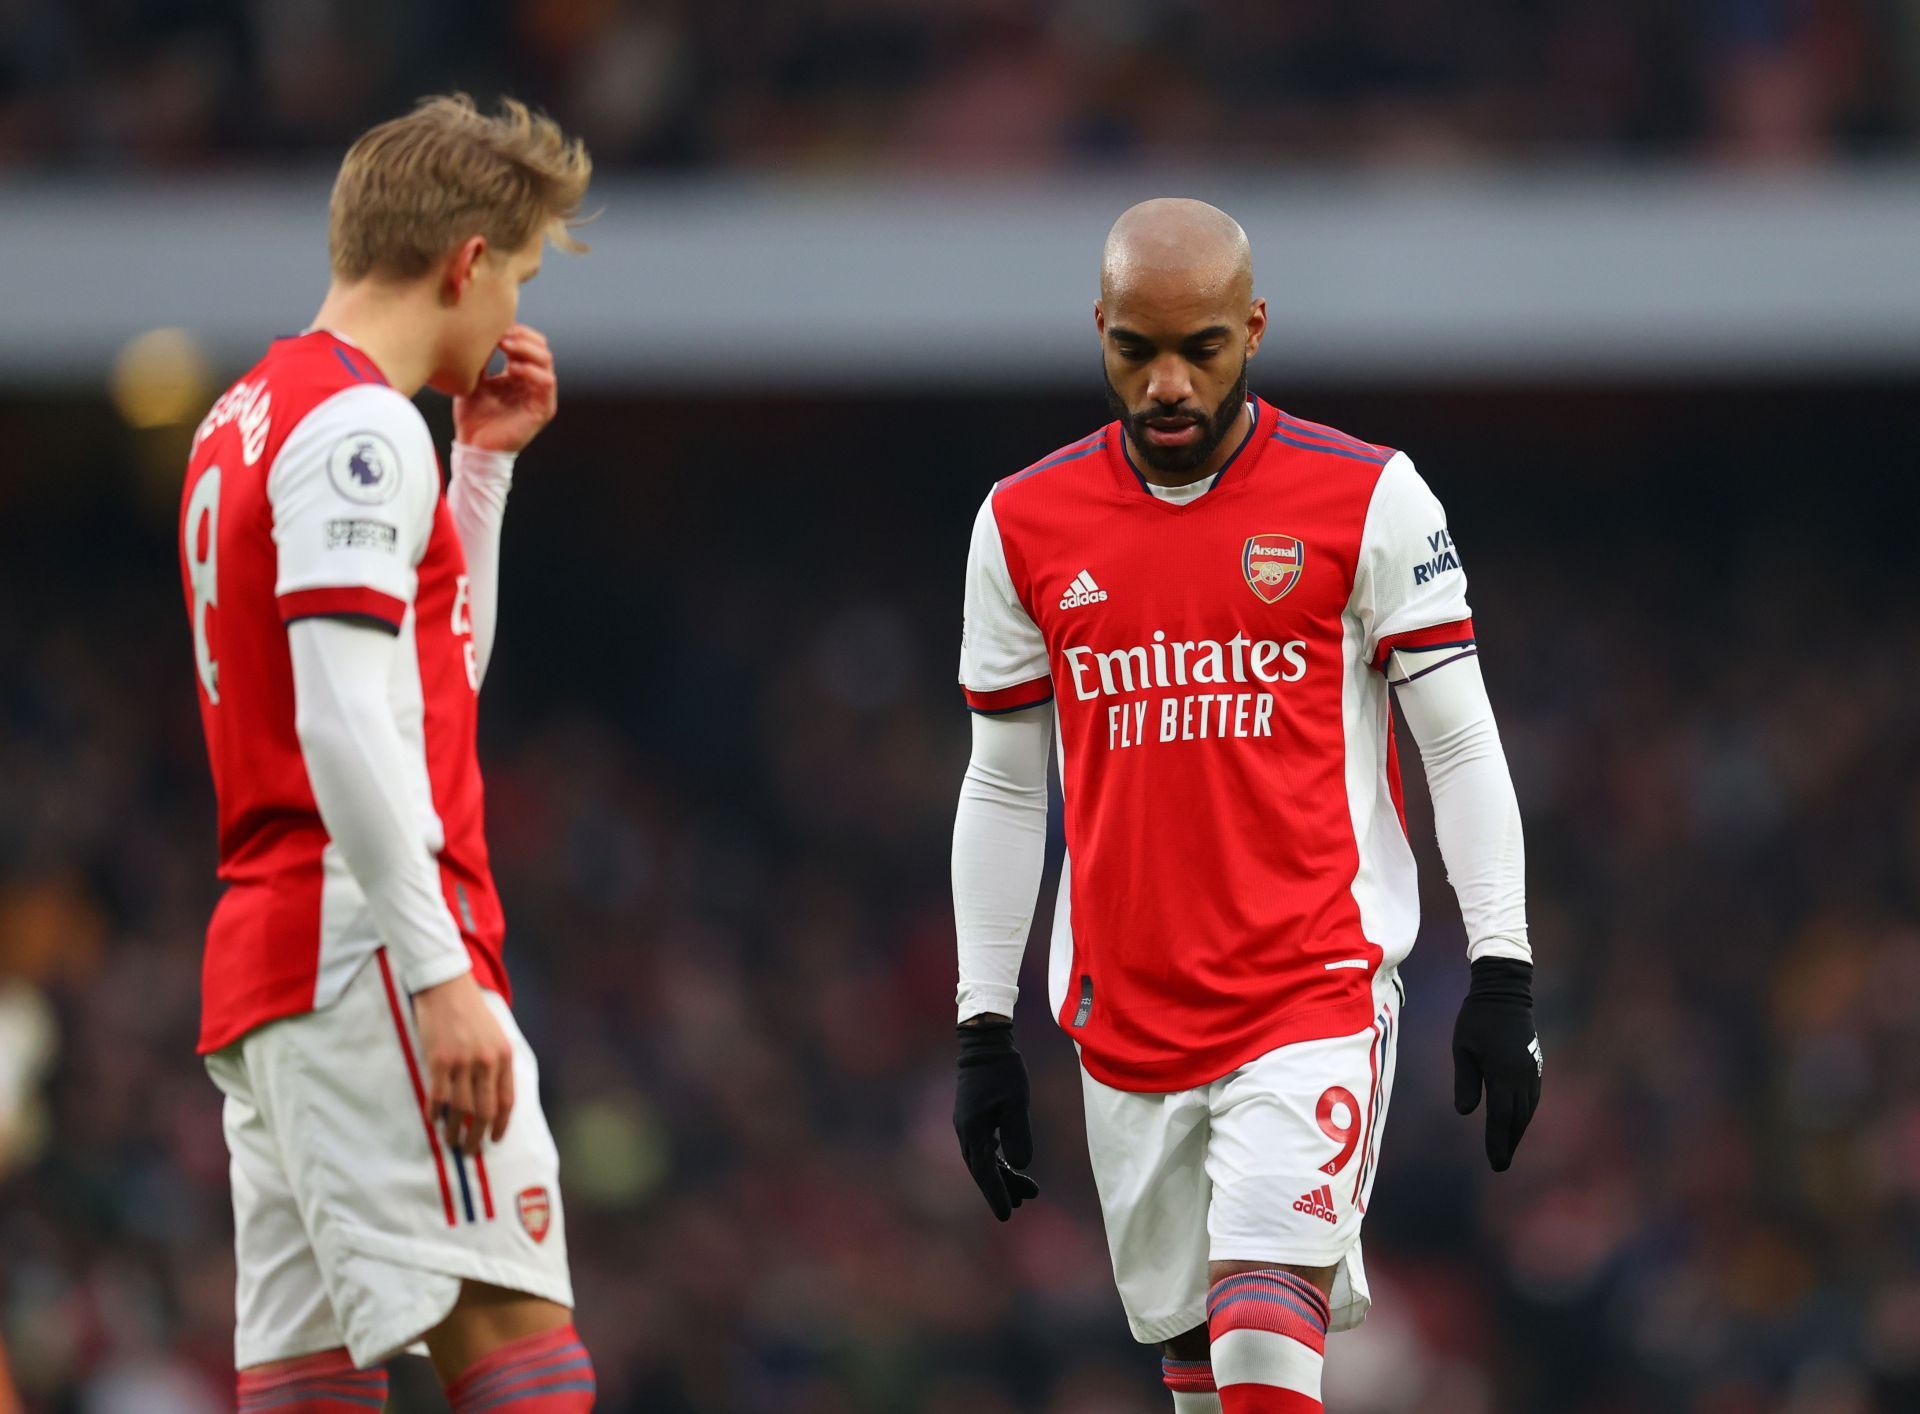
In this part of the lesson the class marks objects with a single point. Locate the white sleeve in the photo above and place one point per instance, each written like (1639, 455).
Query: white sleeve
(477, 499)
(353, 491)
(1475, 813)
(999, 854)
(357, 765)
(1408, 583)
(1003, 657)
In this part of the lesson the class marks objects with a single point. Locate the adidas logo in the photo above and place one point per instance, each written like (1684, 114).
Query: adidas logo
(1082, 591)
(1318, 1203)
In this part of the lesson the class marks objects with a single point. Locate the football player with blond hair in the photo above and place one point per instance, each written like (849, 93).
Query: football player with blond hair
(394, 1180)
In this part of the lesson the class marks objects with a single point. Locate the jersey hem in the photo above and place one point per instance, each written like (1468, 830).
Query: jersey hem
(234, 1032)
(1291, 1030)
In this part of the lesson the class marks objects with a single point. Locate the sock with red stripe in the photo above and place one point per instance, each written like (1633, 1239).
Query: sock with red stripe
(1269, 1332)
(1192, 1384)
(549, 1373)
(326, 1383)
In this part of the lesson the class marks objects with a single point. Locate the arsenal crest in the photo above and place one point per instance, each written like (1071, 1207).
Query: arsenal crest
(1273, 564)
(536, 1213)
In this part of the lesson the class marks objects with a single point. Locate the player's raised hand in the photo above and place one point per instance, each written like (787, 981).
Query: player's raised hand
(507, 409)
(469, 1062)
(1495, 1045)
(990, 1115)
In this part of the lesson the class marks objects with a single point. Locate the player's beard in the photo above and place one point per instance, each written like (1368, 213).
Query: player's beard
(1178, 461)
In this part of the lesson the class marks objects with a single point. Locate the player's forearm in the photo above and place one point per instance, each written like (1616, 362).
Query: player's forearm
(356, 763)
(1476, 815)
(477, 500)
(999, 854)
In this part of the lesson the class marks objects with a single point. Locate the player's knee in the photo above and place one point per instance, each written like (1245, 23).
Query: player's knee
(488, 1319)
(1188, 1345)
(1186, 1369)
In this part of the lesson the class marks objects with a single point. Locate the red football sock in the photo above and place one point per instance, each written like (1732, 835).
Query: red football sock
(326, 1383)
(1269, 1331)
(549, 1373)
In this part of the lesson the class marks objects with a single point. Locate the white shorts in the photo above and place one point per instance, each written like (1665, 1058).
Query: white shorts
(354, 1223)
(1273, 1162)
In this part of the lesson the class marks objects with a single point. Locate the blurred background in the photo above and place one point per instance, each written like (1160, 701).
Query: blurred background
(1637, 284)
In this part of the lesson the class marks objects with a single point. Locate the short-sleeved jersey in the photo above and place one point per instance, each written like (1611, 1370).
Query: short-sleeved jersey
(313, 489)
(1239, 876)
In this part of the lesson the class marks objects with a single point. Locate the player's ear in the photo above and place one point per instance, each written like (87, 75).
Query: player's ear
(1256, 326)
(460, 269)
(1099, 319)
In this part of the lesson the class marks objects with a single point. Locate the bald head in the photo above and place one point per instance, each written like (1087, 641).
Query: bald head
(1178, 322)
(1176, 240)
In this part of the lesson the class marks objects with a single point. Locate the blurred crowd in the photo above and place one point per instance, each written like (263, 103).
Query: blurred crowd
(914, 85)
(722, 749)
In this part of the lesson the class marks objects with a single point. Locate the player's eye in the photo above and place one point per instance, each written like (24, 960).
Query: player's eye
(1132, 353)
(1203, 353)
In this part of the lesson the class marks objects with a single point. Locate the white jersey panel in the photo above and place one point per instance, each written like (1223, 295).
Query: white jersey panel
(1385, 885)
(1000, 645)
(353, 491)
(1060, 946)
(1408, 575)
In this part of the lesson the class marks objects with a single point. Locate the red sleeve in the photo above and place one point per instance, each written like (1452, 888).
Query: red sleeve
(1017, 698)
(356, 603)
(1457, 634)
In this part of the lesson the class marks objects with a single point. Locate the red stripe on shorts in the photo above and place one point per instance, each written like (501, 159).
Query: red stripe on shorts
(1373, 1095)
(419, 1091)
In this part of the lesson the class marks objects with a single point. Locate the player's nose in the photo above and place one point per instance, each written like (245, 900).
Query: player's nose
(1169, 382)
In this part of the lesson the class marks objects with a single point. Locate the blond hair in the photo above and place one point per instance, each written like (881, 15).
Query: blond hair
(413, 188)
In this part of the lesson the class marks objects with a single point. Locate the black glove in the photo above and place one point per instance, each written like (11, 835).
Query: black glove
(1494, 1042)
(990, 1114)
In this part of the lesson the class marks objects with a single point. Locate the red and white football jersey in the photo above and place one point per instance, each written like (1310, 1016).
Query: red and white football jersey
(313, 488)
(1239, 876)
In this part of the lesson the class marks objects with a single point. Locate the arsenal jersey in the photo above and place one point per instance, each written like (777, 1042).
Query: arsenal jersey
(1238, 873)
(313, 489)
